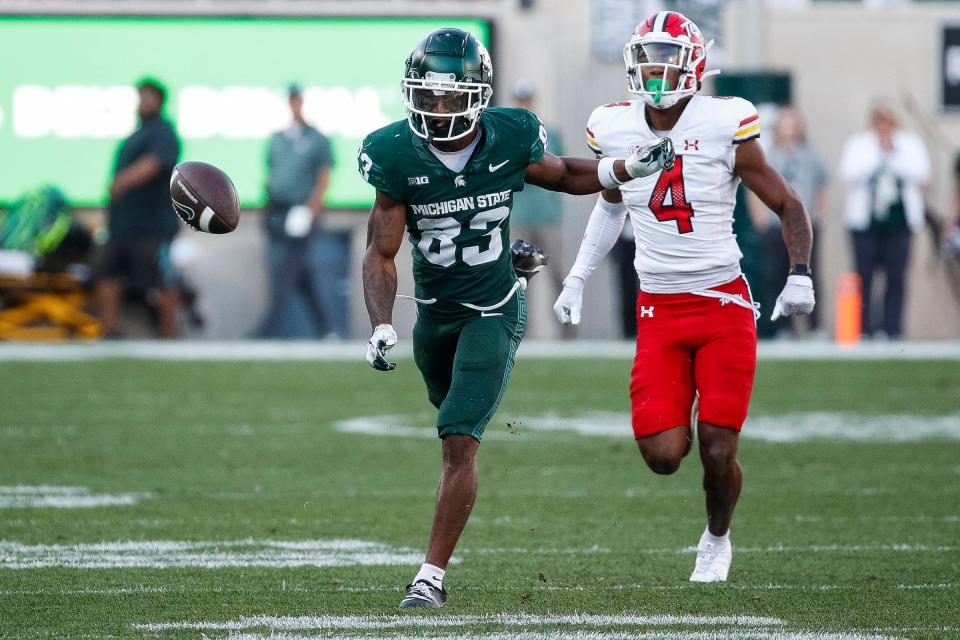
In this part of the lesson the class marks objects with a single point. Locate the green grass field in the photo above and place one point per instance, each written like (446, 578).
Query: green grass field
(253, 500)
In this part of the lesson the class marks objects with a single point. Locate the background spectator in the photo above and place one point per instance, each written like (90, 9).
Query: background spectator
(885, 170)
(537, 217)
(305, 261)
(802, 167)
(950, 248)
(140, 220)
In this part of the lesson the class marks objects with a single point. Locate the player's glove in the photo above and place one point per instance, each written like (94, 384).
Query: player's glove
(651, 158)
(795, 299)
(383, 339)
(528, 261)
(570, 301)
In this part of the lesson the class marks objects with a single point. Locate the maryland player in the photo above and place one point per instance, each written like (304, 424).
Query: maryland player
(446, 177)
(696, 319)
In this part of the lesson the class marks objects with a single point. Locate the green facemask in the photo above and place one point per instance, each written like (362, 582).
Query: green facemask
(658, 86)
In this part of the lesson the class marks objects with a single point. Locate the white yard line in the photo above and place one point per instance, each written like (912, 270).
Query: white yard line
(730, 634)
(394, 426)
(165, 554)
(821, 548)
(778, 548)
(545, 551)
(790, 427)
(292, 623)
(57, 497)
(586, 627)
(106, 591)
(352, 351)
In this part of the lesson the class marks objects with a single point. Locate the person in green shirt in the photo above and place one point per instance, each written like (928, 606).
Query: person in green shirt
(445, 177)
(537, 217)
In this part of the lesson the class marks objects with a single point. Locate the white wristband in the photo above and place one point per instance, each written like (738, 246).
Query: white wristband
(605, 173)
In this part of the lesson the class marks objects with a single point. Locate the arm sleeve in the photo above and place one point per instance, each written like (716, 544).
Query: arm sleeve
(603, 229)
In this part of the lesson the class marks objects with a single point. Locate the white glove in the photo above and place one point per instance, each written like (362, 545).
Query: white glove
(383, 339)
(795, 299)
(570, 301)
(651, 158)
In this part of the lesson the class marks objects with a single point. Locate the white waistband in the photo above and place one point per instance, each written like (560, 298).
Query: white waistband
(506, 299)
(420, 300)
(734, 298)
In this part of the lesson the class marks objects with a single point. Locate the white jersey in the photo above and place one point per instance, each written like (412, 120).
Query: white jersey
(683, 218)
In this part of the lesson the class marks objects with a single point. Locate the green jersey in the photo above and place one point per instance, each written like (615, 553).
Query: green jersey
(458, 222)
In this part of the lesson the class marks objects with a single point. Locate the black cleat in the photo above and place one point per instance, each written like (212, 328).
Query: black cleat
(423, 595)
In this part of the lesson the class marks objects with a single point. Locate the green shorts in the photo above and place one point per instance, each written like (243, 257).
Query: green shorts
(466, 358)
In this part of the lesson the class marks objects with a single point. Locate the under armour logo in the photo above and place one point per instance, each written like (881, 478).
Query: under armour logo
(646, 312)
(691, 145)
(459, 181)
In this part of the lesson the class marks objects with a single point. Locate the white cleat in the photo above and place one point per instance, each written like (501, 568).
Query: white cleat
(713, 558)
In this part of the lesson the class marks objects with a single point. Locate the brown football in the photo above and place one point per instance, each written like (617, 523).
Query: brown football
(204, 197)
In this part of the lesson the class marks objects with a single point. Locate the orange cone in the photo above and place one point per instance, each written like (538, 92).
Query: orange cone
(849, 305)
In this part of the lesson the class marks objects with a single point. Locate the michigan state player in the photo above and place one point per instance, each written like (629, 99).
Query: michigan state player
(446, 176)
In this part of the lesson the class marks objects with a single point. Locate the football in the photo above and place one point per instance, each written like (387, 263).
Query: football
(204, 197)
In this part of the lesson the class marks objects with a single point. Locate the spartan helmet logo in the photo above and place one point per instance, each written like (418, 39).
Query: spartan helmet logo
(459, 181)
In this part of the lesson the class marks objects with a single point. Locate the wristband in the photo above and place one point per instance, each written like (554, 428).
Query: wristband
(605, 173)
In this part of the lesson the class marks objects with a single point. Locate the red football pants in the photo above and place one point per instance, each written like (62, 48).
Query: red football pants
(688, 344)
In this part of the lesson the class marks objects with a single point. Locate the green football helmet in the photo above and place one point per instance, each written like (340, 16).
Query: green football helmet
(447, 85)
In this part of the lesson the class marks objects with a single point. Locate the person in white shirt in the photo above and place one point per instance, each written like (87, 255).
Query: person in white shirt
(696, 323)
(885, 170)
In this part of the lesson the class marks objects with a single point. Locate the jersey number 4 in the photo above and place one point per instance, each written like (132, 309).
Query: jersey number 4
(670, 183)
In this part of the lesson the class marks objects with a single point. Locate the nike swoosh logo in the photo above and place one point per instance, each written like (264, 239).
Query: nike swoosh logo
(494, 167)
(484, 314)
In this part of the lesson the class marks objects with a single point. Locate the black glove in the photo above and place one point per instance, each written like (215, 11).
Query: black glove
(528, 261)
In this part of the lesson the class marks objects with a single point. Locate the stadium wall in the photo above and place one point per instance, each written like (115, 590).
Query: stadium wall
(550, 46)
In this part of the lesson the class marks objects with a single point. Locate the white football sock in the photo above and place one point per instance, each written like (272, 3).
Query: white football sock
(433, 575)
(709, 537)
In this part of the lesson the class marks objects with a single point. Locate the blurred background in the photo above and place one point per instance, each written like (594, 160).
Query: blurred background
(244, 83)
